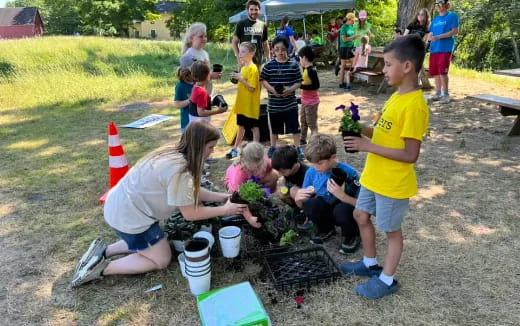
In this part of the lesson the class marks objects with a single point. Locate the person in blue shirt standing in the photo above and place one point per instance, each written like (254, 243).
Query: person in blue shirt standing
(288, 32)
(443, 29)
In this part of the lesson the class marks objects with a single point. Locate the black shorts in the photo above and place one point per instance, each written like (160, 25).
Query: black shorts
(246, 122)
(285, 122)
(346, 53)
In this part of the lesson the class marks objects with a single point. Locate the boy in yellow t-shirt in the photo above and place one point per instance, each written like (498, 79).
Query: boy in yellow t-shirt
(388, 180)
(247, 104)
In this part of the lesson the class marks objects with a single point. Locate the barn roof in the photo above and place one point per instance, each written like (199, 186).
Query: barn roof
(18, 16)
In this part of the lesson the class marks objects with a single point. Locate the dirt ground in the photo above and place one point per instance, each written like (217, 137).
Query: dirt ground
(461, 247)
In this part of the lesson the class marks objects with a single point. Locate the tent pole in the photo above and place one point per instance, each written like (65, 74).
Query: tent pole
(321, 19)
(304, 29)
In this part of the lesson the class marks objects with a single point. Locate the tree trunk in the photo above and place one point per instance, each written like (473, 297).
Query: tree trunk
(515, 49)
(407, 10)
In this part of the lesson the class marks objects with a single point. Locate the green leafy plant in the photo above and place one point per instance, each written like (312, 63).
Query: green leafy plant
(251, 191)
(288, 238)
(350, 119)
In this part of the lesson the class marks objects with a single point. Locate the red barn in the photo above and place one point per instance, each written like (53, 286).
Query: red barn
(20, 22)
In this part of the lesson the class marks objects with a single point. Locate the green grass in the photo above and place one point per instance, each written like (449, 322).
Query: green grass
(57, 95)
(509, 82)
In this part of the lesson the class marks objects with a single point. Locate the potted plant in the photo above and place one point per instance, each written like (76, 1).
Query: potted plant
(349, 123)
(272, 217)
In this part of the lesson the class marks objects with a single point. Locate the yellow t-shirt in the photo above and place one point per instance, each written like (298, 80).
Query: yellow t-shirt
(403, 116)
(248, 103)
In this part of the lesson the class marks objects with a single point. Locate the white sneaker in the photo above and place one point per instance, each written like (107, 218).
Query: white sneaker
(97, 247)
(435, 97)
(91, 271)
(445, 99)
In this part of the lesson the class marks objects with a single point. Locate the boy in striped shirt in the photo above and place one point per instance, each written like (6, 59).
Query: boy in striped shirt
(282, 77)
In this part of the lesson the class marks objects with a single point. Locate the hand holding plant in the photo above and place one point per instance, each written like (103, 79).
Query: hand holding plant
(349, 122)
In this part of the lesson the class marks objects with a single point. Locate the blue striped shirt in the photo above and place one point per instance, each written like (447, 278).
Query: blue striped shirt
(285, 74)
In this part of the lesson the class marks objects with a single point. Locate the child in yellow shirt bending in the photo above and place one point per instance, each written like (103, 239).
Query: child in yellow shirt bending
(247, 104)
(388, 179)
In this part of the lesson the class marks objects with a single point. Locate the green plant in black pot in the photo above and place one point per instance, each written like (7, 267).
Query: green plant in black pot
(349, 123)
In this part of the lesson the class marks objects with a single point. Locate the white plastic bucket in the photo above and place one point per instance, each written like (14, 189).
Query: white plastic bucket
(196, 249)
(206, 235)
(200, 283)
(229, 238)
(198, 265)
(182, 265)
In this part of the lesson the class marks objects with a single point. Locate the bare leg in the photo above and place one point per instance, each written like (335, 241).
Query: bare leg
(367, 232)
(256, 134)
(348, 77)
(296, 139)
(394, 251)
(342, 71)
(274, 139)
(444, 82)
(437, 83)
(156, 257)
(240, 136)
(117, 248)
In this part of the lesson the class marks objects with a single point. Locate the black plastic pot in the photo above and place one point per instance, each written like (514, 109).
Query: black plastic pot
(339, 176)
(219, 101)
(217, 67)
(279, 88)
(345, 133)
(233, 80)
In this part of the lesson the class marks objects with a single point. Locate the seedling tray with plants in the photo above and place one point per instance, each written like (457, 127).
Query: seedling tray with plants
(301, 269)
(256, 243)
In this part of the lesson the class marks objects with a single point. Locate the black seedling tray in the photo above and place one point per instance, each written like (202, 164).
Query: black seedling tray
(254, 248)
(301, 269)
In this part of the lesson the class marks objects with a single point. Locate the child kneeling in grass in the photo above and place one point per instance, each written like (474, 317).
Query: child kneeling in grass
(152, 190)
(252, 164)
(326, 203)
(388, 180)
(285, 161)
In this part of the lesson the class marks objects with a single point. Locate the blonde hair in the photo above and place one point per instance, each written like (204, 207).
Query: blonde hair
(194, 29)
(351, 15)
(191, 147)
(320, 147)
(252, 154)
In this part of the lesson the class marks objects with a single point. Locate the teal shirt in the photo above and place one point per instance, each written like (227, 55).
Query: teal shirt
(348, 31)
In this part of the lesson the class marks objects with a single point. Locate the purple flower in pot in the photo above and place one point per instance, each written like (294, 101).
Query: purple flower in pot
(349, 122)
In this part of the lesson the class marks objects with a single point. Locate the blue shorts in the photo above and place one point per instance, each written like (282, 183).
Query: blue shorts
(144, 240)
(389, 212)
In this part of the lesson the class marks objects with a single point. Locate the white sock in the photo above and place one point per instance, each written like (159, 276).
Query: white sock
(369, 261)
(388, 280)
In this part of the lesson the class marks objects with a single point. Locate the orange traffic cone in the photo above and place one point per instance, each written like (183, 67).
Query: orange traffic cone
(117, 163)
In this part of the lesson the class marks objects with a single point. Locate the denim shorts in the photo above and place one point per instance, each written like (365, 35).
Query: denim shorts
(144, 240)
(389, 212)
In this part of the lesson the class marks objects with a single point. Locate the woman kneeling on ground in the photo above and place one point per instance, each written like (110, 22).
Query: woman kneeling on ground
(160, 182)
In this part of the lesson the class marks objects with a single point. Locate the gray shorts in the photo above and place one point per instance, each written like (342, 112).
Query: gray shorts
(389, 212)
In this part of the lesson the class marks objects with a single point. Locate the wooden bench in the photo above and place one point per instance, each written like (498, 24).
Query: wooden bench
(369, 76)
(507, 106)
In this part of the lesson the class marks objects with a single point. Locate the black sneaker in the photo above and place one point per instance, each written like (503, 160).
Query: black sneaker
(350, 246)
(342, 85)
(303, 142)
(322, 237)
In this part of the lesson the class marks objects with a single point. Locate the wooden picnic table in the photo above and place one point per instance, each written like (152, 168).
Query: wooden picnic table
(508, 72)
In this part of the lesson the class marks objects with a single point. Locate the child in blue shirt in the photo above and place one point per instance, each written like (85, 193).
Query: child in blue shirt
(182, 95)
(325, 202)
